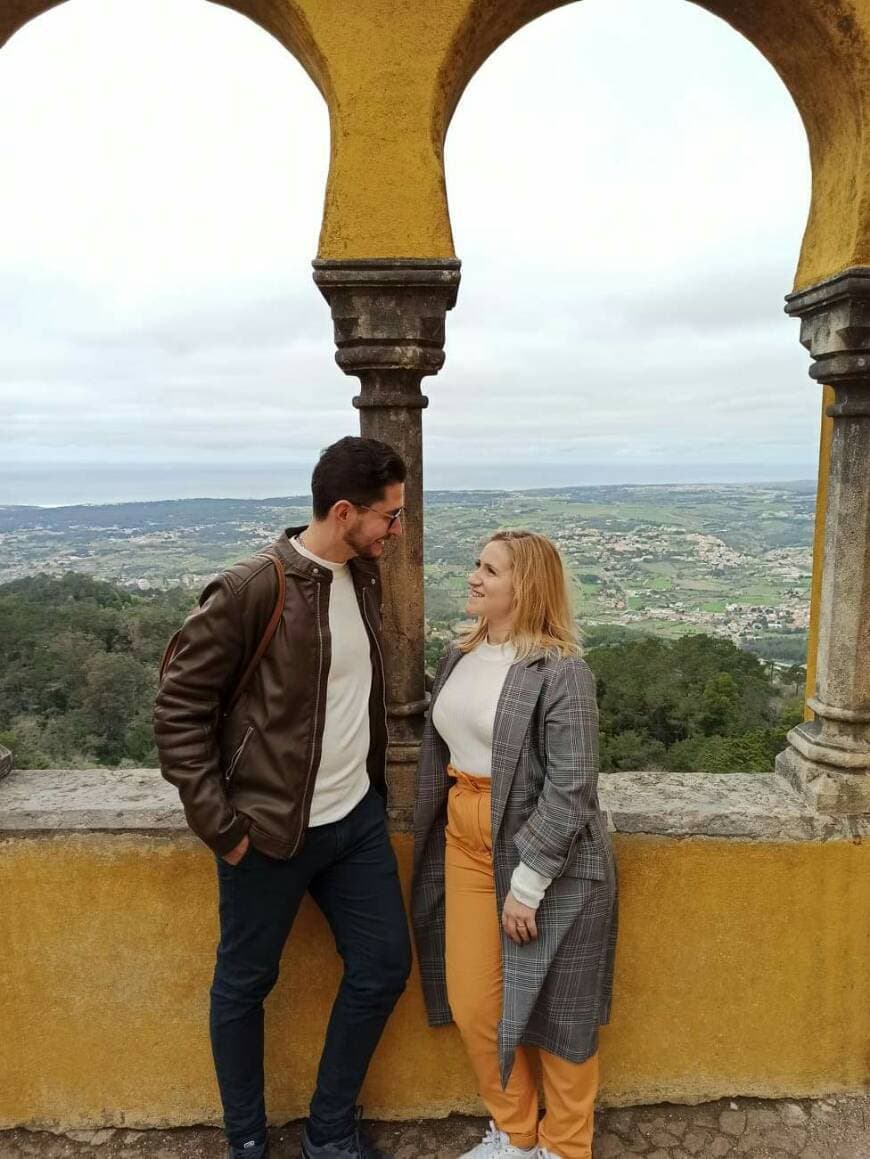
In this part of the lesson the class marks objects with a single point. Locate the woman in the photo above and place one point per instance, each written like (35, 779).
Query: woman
(514, 895)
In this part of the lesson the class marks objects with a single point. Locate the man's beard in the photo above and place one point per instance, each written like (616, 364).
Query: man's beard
(364, 548)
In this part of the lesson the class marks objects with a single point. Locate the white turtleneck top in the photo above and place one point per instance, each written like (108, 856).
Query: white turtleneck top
(464, 715)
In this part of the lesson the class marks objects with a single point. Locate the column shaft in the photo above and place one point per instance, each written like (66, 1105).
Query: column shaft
(843, 679)
(402, 428)
(389, 332)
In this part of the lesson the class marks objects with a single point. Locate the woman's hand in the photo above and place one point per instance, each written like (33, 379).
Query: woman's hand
(518, 921)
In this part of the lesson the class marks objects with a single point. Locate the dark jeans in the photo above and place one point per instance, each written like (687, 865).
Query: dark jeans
(349, 868)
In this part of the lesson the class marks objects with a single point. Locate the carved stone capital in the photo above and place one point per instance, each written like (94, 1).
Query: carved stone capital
(388, 315)
(835, 328)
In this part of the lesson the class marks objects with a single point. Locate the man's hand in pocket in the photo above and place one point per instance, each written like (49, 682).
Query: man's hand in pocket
(235, 855)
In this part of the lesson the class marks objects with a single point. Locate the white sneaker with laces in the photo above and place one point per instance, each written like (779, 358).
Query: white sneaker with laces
(497, 1143)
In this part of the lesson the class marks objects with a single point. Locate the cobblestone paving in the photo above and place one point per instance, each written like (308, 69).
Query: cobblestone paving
(834, 1128)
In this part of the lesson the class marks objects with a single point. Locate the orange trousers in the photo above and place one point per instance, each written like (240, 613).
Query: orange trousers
(474, 985)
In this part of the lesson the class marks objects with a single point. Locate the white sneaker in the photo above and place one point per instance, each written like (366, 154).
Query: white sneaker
(543, 1153)
(496, 1142)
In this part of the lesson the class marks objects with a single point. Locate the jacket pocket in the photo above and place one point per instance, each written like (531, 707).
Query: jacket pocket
(237, 755)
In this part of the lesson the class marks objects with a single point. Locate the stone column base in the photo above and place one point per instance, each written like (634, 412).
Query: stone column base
(830, 789)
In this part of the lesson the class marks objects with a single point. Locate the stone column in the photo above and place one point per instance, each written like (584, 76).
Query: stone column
(388, 316)
(829, 756)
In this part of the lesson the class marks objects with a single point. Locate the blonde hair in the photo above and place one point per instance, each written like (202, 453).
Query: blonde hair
(542, 616)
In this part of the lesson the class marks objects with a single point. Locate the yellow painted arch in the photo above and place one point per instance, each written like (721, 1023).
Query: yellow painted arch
(821, 54)
(393, 71)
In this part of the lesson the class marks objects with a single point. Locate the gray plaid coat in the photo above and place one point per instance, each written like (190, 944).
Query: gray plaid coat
(557, 988)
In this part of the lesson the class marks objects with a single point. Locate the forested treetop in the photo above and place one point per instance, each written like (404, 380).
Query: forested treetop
(80, 659)
(80, 662)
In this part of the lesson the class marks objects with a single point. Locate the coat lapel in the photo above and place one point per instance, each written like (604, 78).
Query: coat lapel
(520, 693)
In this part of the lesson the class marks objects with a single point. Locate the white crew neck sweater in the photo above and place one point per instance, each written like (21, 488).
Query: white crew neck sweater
(464, 715)
(342, 777)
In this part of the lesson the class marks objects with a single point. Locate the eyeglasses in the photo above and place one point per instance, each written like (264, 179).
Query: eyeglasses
(392, 517)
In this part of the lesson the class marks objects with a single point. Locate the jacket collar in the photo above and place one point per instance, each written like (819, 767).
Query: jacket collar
(362, 570)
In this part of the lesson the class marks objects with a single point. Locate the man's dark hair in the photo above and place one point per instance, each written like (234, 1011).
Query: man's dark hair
(354, 469)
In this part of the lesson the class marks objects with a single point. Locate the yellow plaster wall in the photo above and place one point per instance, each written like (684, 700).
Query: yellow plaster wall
(742, 969)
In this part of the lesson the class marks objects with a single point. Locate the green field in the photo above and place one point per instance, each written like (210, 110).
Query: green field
(729, 560)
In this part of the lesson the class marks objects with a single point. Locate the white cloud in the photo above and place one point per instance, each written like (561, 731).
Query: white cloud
(628, 185)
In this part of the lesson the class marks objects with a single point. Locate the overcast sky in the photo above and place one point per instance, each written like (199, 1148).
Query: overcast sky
(628, 184)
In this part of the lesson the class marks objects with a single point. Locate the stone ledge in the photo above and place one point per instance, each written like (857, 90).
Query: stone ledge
(742, 806)
(77, 799)
(749, 806)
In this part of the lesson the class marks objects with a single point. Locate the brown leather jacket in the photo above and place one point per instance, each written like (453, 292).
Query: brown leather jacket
(253, 770)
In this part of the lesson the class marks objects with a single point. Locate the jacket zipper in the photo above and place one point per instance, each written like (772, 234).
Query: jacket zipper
(383, 686)
(304, 811)
(237, 755)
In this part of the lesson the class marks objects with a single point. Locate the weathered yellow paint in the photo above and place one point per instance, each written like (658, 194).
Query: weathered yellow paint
(827, 431)
(742, 968)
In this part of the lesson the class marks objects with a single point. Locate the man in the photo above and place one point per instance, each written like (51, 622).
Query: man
(287, 788)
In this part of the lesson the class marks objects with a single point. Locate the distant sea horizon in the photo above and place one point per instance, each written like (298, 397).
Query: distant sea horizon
(73, 484)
